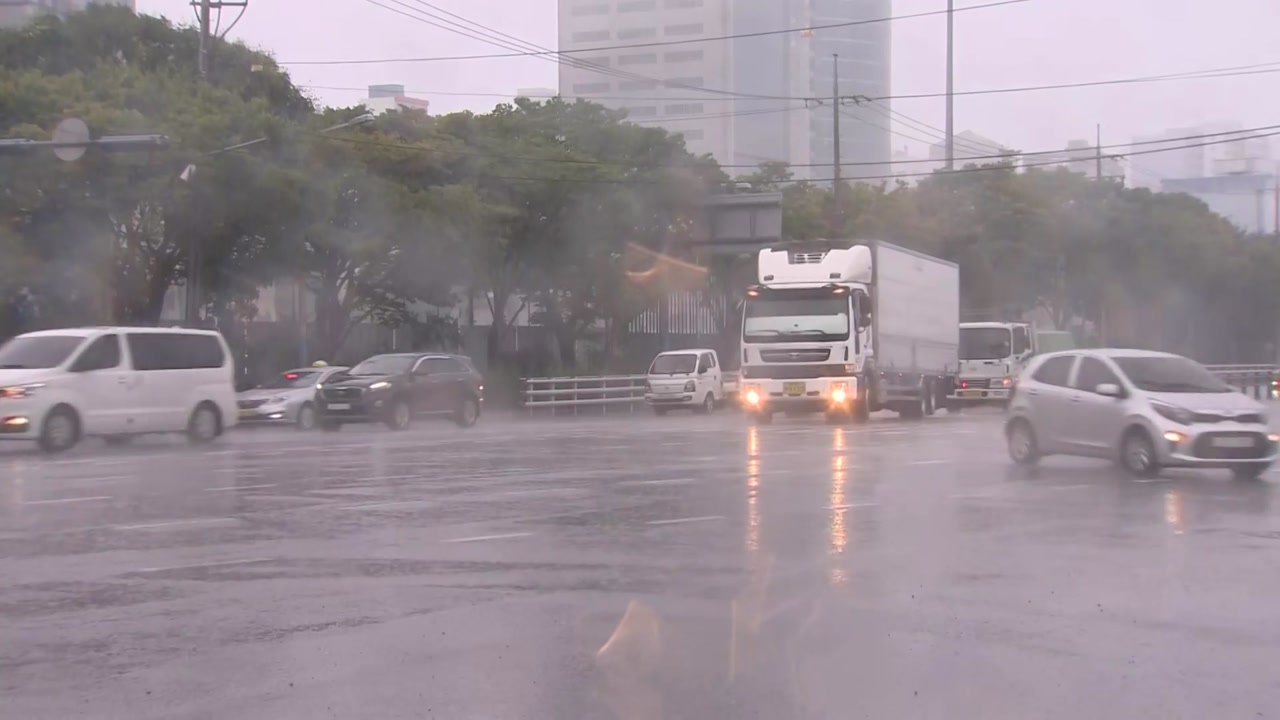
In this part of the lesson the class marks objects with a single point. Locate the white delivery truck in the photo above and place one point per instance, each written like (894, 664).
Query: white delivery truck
(994, 354)
(849, 330)
(687, 380)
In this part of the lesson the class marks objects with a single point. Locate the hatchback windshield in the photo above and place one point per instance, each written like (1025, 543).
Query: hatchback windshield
(292, 380)
(1170, 374)
(673, 364)
(384, 365)
(44, 351)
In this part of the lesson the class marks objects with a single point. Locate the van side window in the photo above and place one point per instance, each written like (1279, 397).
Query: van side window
(102, 354)
(175, 351)
(1055, 370)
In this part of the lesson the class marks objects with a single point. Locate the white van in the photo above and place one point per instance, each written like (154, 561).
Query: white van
(58, 386)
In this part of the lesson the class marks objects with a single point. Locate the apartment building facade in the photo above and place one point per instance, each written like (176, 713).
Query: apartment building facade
(728, 80)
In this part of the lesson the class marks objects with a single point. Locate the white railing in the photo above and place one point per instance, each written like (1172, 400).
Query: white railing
(594, 393)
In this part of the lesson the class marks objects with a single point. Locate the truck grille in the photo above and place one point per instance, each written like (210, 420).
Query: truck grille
(794, 372)
(342, 393)
(976, 384)
(807, 355)
(1204, 447)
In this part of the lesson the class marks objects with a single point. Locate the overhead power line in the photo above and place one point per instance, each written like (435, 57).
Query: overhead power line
(661, 43)
(1220, 138)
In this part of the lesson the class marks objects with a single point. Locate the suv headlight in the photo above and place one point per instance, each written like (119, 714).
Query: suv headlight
(1177, 414)
(380, 385)
(15, 392)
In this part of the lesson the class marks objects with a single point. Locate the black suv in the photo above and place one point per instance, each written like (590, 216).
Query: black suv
(396, 388)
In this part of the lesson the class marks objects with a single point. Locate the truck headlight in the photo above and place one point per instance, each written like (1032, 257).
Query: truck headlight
(690, 386)
(751, 394)
(15, 392)
(839, 392)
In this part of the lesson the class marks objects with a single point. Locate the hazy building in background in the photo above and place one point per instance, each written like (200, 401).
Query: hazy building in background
(1235, 179)
(15, 13)
(656, 85)
(1079, 156)
(970, 149)
(383, 98)
(541, 94)
(747, 100)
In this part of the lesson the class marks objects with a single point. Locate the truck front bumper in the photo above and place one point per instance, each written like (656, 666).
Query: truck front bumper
(809, 395)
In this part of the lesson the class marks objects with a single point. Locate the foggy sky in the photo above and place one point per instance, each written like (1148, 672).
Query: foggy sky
(1038, 42)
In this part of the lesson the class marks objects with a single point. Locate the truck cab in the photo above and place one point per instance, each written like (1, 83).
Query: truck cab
(992, 355)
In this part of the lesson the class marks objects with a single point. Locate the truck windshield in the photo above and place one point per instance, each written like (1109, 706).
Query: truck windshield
(783, 319)
(674, 364)
(985, 343)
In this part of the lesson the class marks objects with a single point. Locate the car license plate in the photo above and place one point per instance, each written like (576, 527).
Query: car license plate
(793, 388)
(247, 413)
(339, 406)
(1233, 442)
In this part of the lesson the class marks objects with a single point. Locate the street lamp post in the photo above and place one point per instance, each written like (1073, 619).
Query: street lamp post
(195, 256)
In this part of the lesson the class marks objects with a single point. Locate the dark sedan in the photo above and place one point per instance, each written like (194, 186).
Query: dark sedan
(395, 389)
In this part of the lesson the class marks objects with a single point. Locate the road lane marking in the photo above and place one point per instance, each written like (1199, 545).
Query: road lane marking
(974, 496)
(95, 498)
(929, 462)
(482, 538)
(396, 503)
(196, 566)
(676, 521)
(671, 481)
(1068, 487)
(233, 488)
(852, 505)
(175, 523)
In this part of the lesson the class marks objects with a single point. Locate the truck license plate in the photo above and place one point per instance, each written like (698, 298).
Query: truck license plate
(1233, 442)
(793, 388)
(339, 406)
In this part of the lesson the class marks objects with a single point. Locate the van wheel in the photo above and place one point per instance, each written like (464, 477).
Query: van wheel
(467, 414)
(61, 430)
(205, 424)
(401, 416)
(306, 417)
(1138, 454)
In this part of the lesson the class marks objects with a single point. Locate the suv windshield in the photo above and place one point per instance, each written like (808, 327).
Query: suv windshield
(674, 364)
(985, 343)
(292, 380)
(384, 365)
(1170, 374)
(44, 351)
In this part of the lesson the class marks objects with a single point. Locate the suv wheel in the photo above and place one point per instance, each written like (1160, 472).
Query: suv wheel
(401, 416)
(468, 413)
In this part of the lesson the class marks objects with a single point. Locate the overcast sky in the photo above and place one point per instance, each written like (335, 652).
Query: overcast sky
(1034, 43)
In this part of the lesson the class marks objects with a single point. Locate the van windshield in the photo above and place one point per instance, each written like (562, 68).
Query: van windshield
(39, 352)
(674, 364)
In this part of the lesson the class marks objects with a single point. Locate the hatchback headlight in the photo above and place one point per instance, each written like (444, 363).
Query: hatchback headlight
(1177, 414)
(15, 392)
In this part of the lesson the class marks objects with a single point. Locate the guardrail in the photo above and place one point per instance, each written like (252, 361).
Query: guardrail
(601, 394)
(598, 394)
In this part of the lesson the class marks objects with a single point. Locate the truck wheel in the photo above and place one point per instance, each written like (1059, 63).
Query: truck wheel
(708, 405)
(928, 400)
(862, 405)
(913, 410)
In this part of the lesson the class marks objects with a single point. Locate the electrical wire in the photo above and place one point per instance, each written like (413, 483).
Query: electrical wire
(662, 43)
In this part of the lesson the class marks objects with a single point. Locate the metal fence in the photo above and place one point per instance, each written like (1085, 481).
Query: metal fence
(601, 395)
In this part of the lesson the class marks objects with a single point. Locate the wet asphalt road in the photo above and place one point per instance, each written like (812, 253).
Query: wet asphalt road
(633, 568)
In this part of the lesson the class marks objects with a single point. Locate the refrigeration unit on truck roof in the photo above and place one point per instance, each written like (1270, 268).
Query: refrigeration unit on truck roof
(782, 267)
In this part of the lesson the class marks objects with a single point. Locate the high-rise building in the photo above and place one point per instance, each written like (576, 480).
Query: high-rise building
(745, 100)
(16, 13)
(384, 98)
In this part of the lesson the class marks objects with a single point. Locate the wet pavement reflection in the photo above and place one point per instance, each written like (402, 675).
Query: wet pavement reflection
(637, 569)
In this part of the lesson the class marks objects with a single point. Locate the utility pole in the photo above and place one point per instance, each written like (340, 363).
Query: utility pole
(1097, 155)
(206, 41)
(837, 214)
(951, 86)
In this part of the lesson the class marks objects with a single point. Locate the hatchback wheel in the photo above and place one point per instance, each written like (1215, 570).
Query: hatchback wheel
(1138, 454)
(1023, 448)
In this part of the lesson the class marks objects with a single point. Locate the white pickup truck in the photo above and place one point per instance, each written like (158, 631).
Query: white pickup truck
(687, 380)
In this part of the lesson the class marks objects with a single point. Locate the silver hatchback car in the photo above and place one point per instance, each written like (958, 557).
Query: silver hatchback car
(1146, 409)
